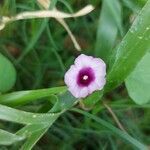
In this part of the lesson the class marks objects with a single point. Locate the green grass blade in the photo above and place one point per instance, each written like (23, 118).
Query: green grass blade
(132, 48)
(92, 99)
(54, 50)
(7, 138)
(31, 141)
(132, 5)
(23, 97)
(116, 131)
(109, 24)
(37, 35)
(33, 41)
(35, 132)
(22, 117)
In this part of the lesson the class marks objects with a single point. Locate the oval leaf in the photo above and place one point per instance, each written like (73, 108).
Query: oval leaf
(138, 82)
(7, 74)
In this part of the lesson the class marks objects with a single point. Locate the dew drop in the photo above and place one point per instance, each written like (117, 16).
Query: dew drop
(140, 37)
(52, 114)
(131, 31)
(34, 116)
(20, 138)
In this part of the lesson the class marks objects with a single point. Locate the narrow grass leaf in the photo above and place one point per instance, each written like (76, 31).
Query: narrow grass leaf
(116, 131)
(22, 117)
(7, 138)
(131, 50)
(34, 137)
(35, 131)
(23, 97)
(108, 27)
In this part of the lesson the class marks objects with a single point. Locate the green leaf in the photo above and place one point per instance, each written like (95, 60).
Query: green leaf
(34, 132)
(18, 116)
(7, 138)
(108, 26)
(28, 130)
(131, 50)
(116, 131)
(36, 123)
(133, 5)
(7, 74)
(138, 82)
(65, 101)
(34, 137)
(34, 39)
(92, 99)
(23, 97)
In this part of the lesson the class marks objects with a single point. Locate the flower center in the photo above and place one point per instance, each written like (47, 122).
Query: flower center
(85, 77)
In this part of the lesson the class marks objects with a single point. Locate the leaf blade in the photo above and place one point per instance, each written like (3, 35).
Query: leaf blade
(18, 116)
(13, 138)
(116, 131)
(108, 27)
(132, 48)
(23, 97)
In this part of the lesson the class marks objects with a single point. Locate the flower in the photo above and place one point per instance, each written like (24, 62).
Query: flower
(85, 76)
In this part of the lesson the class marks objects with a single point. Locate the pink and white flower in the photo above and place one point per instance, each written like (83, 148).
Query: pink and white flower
(85, 76)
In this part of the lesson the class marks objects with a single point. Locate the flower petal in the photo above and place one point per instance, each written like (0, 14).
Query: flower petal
(83, 61)
(97, 85)
(99, 67)
(71, 76)
(100, 82)
(83, 92)
(75, 91)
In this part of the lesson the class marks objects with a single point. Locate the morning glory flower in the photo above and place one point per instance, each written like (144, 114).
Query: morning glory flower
(85, 76)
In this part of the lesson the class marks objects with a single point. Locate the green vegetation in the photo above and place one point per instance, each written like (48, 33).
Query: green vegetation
(36, 110)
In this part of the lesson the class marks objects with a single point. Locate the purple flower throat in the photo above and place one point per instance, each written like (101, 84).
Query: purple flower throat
(85, 77)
